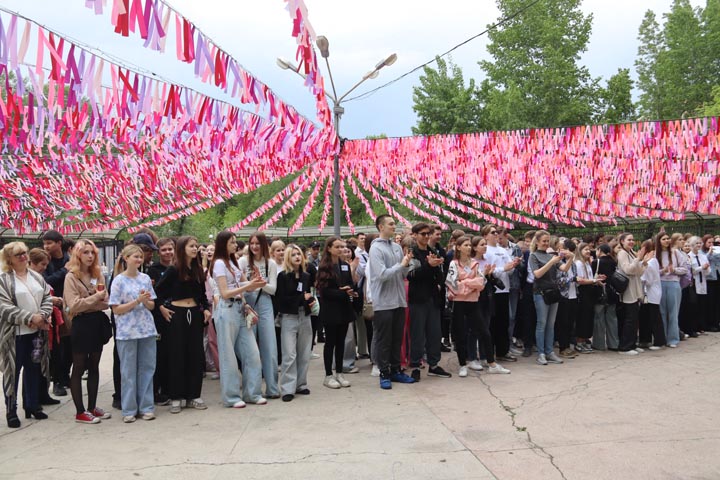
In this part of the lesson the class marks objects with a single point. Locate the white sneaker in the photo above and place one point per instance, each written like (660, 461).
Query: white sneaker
(314, 356)
(639, 350)
(654, 348)
(629, 352)
(475, 365)
(672, 345)
(484, 363)
(129, 419)
(463, 371)
(375, 371)
(239, 404)
(515, 351)
(553, 358)
(330, 382)
(341, 380)
(541, 359)
(497, 368)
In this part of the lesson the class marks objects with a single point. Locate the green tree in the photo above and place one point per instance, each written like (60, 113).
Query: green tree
(651, 103)
(535, 79)
(682, 65)
(711, 108)
(616, 103)
(443, 103)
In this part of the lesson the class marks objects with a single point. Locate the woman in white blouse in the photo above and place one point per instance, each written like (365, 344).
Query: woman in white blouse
(25, 309)
(652, 331)
(700, 265)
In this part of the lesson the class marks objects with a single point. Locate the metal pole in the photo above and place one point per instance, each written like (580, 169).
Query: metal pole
(337, 111)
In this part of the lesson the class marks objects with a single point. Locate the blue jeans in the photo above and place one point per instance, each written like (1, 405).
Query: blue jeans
(235, 341)
(670, 309)
(267, 341)
(137, 367)
(545, 329)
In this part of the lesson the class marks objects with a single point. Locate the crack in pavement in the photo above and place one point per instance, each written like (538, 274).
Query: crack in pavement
(535, 447)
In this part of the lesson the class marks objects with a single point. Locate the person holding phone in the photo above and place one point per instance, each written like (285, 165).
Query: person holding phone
(132, 301)
(257, 263)
(86, 301)
(335, 288)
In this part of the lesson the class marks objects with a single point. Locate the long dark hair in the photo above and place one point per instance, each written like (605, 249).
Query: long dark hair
(221, 251)
(326, 268)
(264, 248)
(659, 248)
(195, 271)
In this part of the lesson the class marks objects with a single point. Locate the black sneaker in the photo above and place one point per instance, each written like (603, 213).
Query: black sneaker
(59, 391)
(445, 348)
(437, 371)
(116, 404)
(415, 375)
(527, 352)
(508, 358)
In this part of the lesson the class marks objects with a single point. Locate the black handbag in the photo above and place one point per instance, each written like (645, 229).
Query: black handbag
(497, 282)
(551, 295)
(619, 281)
(107, 330)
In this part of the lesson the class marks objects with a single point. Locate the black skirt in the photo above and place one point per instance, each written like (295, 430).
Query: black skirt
(87, 332)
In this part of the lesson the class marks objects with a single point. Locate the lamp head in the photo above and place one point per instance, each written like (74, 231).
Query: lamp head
(324, 45)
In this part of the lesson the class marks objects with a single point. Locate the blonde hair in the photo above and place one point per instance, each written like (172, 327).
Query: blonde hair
(287, 265)
(130, 249)
(276, 244)
(538, 235)
(74, 266)
(8, 251)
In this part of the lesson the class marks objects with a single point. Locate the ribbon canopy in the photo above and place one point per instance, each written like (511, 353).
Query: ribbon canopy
(88, 144)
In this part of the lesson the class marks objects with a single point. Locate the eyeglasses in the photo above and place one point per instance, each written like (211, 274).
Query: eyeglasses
(21, 254)
(494, 232)
(424, 234)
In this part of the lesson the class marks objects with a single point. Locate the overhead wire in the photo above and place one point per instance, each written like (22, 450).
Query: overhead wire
(491, 27)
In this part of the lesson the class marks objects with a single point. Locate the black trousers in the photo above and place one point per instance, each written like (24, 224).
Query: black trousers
(186, 355)
(469, 317)
(713, 305)
(586, 312)
(565, 322)
(334, 346)
(526, 315)
(628, 333)
(61, 361)
(651, 325)
(389, 326)
(500, 323)
(687, 318)
(160, 378)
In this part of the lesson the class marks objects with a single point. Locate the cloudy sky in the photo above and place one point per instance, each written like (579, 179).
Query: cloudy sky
(256, 32)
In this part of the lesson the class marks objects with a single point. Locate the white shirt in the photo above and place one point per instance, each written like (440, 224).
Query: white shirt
(699, 274)
(29, 295)
(651, 282)
(499, 257)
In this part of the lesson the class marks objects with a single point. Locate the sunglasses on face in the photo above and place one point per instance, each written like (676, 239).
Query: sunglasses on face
(21, 254)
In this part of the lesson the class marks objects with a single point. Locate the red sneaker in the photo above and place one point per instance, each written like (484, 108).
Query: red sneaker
(101, 414)
(86, 417)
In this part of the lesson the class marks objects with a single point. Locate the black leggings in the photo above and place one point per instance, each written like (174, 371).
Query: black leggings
(334, 341)
(82, 362)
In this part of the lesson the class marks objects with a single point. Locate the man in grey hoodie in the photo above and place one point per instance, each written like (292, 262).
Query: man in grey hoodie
(388, 268)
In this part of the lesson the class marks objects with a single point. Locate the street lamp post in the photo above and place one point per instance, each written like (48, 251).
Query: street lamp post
(324, 46)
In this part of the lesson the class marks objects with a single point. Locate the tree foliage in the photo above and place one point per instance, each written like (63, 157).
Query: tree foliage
(443, 103)
(679, 64)
(616, 104)
(535, 79)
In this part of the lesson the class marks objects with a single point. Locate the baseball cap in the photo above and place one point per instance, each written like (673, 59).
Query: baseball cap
(144, 239)
(315, 244)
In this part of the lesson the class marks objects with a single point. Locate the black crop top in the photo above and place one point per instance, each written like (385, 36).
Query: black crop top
(171, 288)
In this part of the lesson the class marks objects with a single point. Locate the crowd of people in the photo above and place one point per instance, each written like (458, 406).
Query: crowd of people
(250, 314)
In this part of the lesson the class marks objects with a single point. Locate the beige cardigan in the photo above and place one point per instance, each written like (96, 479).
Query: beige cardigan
(79, 298)
(633, 268)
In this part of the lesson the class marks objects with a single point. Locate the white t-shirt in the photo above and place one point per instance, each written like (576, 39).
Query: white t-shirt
(233, 277)
(499, 256)
(699, 274)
